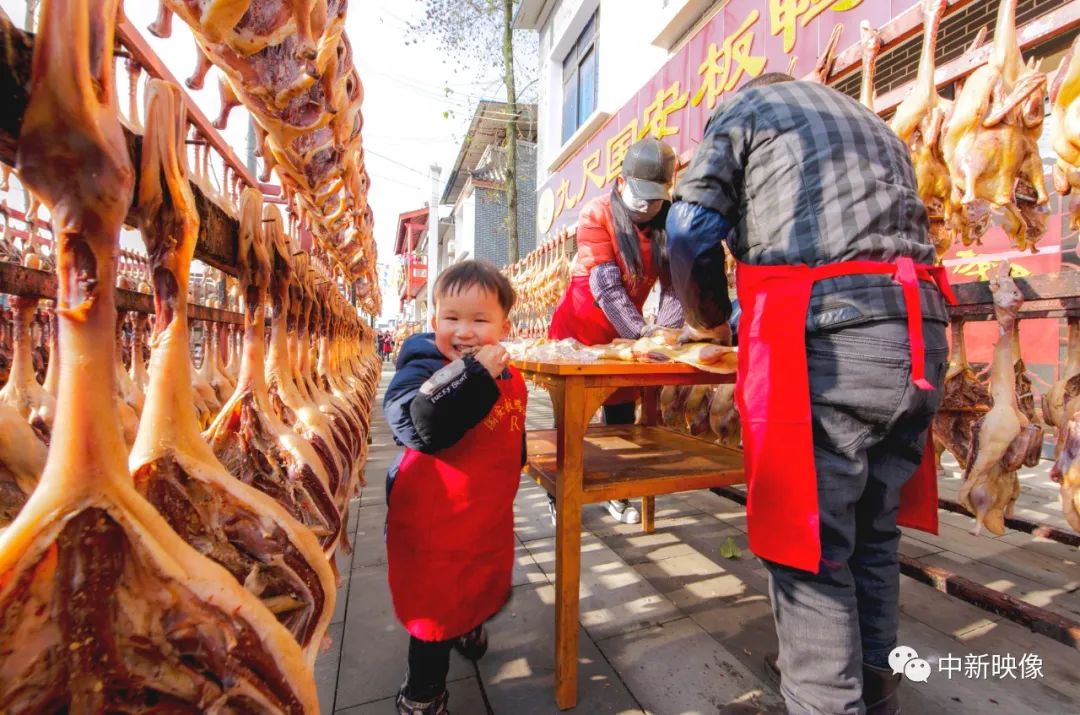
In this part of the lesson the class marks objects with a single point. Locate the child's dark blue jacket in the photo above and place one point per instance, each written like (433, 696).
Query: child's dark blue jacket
(460, 395)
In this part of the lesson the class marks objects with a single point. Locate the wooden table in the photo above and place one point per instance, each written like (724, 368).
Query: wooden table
(580, 466)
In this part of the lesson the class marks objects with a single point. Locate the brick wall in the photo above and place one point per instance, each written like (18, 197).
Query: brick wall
(490, 225)
(957, 32)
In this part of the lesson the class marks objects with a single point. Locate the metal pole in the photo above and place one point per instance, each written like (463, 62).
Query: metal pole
(251, 165)
(433, 238)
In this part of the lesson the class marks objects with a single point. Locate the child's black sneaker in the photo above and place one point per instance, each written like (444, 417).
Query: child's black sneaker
(405, 706)
(473, 644)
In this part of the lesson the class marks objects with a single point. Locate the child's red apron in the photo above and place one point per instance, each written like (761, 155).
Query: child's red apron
(450, 525)
(773, 398)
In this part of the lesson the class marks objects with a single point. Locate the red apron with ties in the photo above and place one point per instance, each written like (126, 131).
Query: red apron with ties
(773, 398)
(578, 316)
(450, 524)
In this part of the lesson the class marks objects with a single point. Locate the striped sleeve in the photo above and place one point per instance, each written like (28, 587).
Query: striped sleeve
(605, 281)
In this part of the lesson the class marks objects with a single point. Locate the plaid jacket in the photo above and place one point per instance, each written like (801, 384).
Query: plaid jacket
(806, 175)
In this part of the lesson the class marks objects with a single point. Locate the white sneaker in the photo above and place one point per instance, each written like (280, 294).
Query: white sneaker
(622, 510)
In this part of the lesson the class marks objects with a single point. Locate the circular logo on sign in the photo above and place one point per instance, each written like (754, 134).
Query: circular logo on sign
(545, 210)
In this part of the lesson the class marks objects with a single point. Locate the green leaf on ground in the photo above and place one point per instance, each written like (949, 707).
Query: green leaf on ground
(730, 550)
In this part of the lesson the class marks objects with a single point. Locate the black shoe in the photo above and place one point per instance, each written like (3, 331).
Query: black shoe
(406, 706)
(772, 669)
(551, 510)
(881, 691)
(473, 644)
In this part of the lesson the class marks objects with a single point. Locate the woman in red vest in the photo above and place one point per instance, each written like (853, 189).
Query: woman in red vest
(620, 239)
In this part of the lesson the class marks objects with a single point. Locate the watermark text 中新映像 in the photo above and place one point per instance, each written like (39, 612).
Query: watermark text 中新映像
(974, 666)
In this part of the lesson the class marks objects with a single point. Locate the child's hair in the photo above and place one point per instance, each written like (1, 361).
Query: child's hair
(466, 274)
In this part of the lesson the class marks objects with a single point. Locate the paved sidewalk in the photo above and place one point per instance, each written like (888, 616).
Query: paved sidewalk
(668, 625)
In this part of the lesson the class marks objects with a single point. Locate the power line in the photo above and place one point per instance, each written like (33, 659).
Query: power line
(380, 177)
(395, 161)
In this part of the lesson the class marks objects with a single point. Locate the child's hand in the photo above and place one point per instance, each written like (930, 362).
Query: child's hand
(494, 358)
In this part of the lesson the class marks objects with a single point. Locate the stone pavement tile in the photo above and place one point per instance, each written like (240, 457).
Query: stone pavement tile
(369, 544)
(669, 507)
(326, 668)
(679, 668)
(374, 493)
(961, 695)
(675, 536)
(965, 523)
(1060, 600)
(1058, 661)
(526, 569)
(343, 559)
(354, 507)
(913, 548)
(949, 615)
(374, 645)
(1068, 556)
(1007, 556)
(695, 580)
(531, 517)
(518, 670)
(727, 511)
(746, 566)
(342, 598)
(614, 598)
(465, 698)
(721, 601)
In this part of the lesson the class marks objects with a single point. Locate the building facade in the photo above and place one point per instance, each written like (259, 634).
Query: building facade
(476, 189)
(613, 71)
(410, 250)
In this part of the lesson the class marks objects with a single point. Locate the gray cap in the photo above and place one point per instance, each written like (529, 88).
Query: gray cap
(649, 168)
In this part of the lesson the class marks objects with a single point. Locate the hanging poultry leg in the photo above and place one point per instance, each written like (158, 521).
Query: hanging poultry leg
(103, 608)
(252, 536)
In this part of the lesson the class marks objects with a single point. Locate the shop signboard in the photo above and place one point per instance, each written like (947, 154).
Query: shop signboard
(743, 40)
(417, 273)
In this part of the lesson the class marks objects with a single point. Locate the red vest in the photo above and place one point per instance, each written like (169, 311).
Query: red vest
(450, 525)
(773, 397)
(577, 315)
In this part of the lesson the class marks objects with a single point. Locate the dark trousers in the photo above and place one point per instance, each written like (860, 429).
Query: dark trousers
(869, 424)
(429, 662)
(620, 414)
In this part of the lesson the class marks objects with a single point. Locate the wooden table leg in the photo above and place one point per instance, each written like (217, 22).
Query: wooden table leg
(648, 514)
(568, 494)
(650, 415)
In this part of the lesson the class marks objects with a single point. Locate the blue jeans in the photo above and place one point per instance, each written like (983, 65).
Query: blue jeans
(869, 424)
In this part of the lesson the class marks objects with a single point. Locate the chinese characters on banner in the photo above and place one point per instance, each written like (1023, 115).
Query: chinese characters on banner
(710, 71)
(784, 14)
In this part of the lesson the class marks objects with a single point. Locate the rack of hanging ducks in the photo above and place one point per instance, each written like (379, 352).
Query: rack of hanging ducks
(978, 165)
(181, 427)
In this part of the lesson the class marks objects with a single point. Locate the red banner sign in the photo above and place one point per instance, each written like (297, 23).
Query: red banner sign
(415, 276)
(745, 39)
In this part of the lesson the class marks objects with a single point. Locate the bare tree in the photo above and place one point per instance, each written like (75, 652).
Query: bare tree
(480, 33)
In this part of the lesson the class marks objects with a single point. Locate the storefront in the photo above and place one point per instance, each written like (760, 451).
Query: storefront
(732, 42)
(409, 250)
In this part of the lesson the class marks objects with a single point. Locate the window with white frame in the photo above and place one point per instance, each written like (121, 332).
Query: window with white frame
(580, 85)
